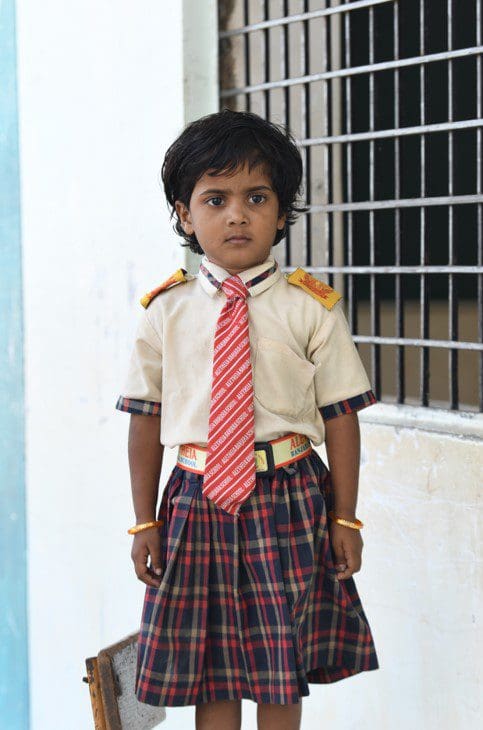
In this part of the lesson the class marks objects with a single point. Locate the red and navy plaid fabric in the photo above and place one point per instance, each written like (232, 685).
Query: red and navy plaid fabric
(249, 606)
(144, 407)
(348, 406)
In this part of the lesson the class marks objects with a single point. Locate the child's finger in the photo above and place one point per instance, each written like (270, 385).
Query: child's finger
(344, 570)
(354, 560)
(344, 574)
(338, 552)
(155, 554)
(145, 575)
(340, 562)
(353, 565)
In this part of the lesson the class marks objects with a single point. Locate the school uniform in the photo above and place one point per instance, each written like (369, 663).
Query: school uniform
(249, 605)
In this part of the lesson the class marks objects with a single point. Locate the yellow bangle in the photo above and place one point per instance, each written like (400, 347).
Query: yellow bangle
(144, 526)
(356, 525)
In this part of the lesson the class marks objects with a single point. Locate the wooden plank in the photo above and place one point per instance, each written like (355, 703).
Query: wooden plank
(95, 693)
(109, 690)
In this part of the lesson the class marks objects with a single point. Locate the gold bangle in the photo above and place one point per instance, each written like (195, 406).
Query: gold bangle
(144, 526)
(356, 525)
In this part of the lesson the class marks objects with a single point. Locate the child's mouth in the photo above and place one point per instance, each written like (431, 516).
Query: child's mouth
(238, 239)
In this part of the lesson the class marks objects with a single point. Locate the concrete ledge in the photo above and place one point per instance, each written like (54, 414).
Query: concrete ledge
(457, 423)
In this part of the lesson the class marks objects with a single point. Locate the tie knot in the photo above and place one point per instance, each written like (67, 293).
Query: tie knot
(234, 288)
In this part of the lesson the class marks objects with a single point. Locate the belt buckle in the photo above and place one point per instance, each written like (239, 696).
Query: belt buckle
(264, 459)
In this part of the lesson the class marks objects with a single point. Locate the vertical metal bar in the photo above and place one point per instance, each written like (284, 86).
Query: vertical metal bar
(306, 132)
(424, 292)
(266, 59)
(286, 93)
(246, 51)
(286, 64)
(479, 206)
(352, 294)
(452, 290)
(336, 173)
(375, 303)
(400, 371)
(326, 181)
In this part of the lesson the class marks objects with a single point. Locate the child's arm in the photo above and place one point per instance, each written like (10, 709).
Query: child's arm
(145, 461)
(342, 440)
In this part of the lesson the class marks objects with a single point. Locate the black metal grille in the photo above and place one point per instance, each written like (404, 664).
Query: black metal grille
(384, 99)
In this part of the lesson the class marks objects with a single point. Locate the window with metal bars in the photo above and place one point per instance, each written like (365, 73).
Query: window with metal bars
(384, 99)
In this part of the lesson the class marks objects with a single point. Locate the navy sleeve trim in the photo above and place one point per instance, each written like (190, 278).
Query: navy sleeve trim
(356, 403)
(143, 407)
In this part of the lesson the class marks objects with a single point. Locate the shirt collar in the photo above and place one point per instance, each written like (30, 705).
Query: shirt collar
(257, 278)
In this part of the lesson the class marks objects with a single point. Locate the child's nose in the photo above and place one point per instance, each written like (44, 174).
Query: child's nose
(237, 213)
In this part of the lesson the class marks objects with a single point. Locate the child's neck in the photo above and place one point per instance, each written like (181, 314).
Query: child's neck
(234, 272)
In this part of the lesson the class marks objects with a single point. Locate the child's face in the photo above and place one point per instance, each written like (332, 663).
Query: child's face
(242, 204)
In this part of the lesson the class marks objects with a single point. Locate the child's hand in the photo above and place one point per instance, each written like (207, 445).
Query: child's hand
(147, 544)
(346, 549)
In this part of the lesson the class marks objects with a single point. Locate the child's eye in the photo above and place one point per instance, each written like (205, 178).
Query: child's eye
(216, 198)
(258, 195)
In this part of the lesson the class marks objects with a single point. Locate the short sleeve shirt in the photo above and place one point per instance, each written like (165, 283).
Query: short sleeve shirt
(305, 365)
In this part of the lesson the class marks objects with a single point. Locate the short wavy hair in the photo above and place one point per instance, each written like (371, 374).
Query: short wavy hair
(222, 142)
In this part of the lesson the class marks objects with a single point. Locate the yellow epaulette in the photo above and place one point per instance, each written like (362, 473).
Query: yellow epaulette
(317, 289)
(179, 276)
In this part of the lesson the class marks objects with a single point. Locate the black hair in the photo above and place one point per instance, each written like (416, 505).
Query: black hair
(222, 142)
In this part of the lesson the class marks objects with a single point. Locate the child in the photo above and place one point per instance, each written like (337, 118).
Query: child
(249, 563)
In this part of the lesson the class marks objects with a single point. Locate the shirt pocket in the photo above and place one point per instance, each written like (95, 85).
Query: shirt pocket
(283, 382)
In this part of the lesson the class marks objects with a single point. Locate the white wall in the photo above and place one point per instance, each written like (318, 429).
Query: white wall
(101, 97)
(420, 498)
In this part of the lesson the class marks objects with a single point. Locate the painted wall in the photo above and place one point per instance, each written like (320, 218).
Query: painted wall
(101, 97)
(421, 582)
(14, 709)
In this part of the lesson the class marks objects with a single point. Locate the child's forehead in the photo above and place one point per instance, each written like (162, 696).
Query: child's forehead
(237, 177)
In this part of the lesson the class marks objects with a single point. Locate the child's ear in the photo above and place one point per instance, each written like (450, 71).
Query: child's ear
(184, 216)
(281, 221)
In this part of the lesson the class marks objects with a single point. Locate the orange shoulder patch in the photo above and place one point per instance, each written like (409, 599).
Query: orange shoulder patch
(321, 291)
(179, 276)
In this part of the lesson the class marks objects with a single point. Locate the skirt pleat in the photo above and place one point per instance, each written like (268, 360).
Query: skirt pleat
(249, 606)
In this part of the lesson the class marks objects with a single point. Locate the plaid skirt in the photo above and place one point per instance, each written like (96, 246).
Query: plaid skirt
(249, 607)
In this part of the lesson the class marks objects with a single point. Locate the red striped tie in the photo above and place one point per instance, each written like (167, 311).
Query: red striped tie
(230, 460)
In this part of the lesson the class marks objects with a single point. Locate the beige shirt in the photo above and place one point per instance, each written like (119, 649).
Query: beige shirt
(303, 358)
